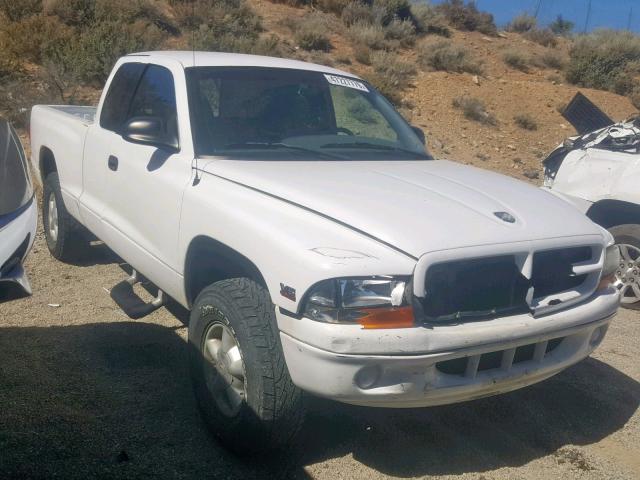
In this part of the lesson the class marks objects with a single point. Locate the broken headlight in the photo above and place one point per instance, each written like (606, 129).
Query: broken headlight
(609, 267)
(377, 302)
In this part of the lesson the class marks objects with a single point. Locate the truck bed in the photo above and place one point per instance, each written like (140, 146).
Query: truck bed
(58, 132)
(85, 113)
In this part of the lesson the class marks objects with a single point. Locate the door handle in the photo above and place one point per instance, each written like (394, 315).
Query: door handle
(112, 163)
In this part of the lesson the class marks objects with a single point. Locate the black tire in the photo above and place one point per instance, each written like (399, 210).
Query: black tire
(628, 234)
(69, 237)
(271, 412)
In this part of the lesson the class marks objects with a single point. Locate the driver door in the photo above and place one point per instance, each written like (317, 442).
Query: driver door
(145, 184)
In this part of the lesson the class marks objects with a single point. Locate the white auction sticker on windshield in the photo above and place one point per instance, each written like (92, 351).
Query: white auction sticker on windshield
(346, 82)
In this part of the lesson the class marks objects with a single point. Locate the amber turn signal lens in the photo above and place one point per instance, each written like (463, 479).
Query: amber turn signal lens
(398, 317)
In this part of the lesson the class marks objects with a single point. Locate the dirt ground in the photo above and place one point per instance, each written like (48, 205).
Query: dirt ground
(87, 393)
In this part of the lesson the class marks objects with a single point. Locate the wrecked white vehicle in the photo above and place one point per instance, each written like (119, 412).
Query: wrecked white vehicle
(18, 211)
(599, 172)
(318, 245)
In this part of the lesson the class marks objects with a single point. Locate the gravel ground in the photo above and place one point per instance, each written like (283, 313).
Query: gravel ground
(87, 393)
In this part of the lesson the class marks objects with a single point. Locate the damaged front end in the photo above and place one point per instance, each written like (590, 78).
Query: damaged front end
(596, 130)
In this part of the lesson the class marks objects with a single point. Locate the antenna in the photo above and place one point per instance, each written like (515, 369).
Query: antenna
(193, 32)
(586, 23)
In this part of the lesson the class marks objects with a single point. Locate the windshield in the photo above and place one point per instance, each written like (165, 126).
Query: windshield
(275, 113)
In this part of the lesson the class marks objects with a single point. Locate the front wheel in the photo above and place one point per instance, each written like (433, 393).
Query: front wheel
(627, 237)
(237, 365)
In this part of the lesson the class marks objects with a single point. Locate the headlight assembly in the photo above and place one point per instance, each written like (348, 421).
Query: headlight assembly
(377, 302)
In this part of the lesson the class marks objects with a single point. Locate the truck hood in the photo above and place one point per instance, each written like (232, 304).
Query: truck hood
(413, 206)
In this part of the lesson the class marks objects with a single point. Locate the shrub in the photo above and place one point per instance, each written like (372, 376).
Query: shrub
(206, 38)
(603, 60)
(551, 59)
(91, 55)
(388, 64)
(371, 36)
(27, 38)
(448, 57)
(467, 17)
(393, 9)
(544, 37)
(402, 32)
(129, 11)
(16, 10)
(310, 31)
(475, 110)
(16, 99)
(224, 17)
(522, 23)
(428, 20)
(362, 54)
(560, 26)
(76, 13)
(312, 39)
(358, 12)
(516, 59)
(525, 121)
(319, 57)
(387, 86)
(333, 6)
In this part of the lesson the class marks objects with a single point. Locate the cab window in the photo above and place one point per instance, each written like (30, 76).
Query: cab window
(118, 98)
(156, 97)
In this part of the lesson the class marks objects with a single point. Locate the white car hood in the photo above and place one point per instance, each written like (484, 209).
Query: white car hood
(414, 206)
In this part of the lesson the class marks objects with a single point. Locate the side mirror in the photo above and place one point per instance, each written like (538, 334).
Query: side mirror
(418, 131)
(150, 131)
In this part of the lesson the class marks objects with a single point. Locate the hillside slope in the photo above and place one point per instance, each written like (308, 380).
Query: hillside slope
(537, 93)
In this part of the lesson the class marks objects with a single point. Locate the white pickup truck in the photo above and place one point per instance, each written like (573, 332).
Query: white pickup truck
(317, 244)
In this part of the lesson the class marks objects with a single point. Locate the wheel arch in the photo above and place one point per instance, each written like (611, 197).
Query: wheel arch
(609, 213)
(208, 261)
(46, 162)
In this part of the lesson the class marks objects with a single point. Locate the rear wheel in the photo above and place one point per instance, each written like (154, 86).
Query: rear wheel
(237, 365)
(61, 230)
(627, 238)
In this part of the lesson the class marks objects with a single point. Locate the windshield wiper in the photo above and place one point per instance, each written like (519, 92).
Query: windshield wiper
(282, 145)
(373, 146)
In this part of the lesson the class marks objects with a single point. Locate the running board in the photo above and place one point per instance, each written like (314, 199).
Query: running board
(130, 302)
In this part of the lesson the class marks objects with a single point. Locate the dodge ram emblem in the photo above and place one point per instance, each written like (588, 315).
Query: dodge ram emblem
(505, 217)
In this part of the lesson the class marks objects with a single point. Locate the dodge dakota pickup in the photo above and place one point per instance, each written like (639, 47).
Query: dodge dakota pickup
(317, 244)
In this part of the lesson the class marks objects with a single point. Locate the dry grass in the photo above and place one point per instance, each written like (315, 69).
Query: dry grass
(544, 37)
(522, 23)
(517, 59)
(474, 109)
(525, 121)
(466, 16)
(449, 57)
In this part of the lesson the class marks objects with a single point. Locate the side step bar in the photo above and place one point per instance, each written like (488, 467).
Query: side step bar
(130, 302)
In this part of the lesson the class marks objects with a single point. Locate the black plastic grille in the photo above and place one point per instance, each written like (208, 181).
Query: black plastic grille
(474, 289)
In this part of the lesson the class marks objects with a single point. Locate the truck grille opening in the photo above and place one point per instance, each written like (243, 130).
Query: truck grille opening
(474, 289)
(501, 359)
(484, 288)
(553, 270)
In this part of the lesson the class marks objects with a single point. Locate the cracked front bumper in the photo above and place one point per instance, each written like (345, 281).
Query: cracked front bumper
(461, 372)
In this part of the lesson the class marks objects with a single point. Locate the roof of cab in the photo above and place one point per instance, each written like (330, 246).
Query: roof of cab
(190, 58)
